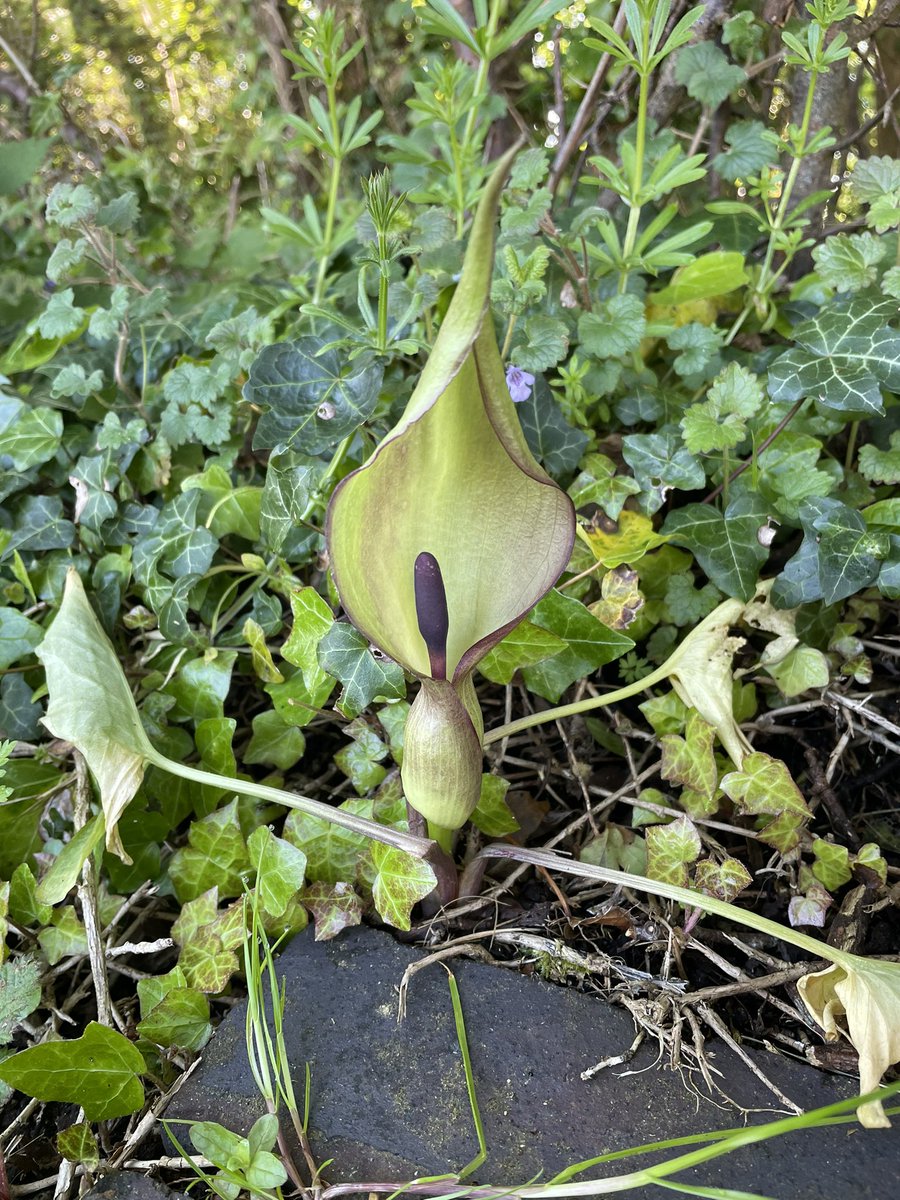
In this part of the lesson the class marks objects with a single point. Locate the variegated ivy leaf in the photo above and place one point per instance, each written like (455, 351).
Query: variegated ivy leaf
(724, 880)
(764, 787)
(690, 760)
(843, 357)
(670, 848)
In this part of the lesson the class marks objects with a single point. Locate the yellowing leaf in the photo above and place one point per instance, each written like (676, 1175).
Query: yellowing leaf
(867, 993)
(622, 541)
(690, 760)
(764, 787)
(670, 848)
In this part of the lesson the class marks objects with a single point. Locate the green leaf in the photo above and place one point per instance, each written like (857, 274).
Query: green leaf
(106, 322)
(207, 958)
(719, 423)
(848, 262)
(332, 852)
(598, 483)
(310, 399)
(764, 787)
(492, 814)
(546, 342)
(32, 438)
(670, 848)
(172, 1014)
(690, 760)
(707, 74)
(843, 357)
(280, 869)
(98, 1071)
(119, 214)
(344, 653)
(713, 274)
(881, 466)
(661, 460)
(749, 150)
(216, 855)
(552, 440)
(291, 480)
(839, 556)
(77, 1144)
(724, 544)
(39, 525)
(64, 872)
(724, 880)
(61, 316)
(227, 509)
(20, 994)
(19, 635)
(614, 328)
(686, 604)
(65, 257)
(589, 645)
(361, 759)
(803, 668)
(194, 411)
(875, 177)
(401, 881)
(64, 935)
(260, 655)
(312, 619)
(69, 203)
(699, 346)
(524, 646)
(832, 865)
(201, 686)
(19, 161)
(334, 906)
(274, 743)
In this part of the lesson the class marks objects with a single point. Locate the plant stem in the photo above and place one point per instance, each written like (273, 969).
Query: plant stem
(754, 457)
(640, 141)
(419, 847)
(333, 187)
(764, 284)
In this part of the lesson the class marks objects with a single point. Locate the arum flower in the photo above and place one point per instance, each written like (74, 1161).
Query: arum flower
(449, 534)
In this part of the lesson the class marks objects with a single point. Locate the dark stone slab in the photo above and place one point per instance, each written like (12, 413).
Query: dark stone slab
(128, 1185)
(388, 1100)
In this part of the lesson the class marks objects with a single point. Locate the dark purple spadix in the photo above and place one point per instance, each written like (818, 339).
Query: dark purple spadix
(431, 611)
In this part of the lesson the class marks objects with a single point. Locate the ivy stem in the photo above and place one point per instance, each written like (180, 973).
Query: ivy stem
(754, 457)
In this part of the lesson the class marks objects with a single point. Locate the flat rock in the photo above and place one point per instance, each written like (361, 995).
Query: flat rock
(388, 1101)
(128, 1185)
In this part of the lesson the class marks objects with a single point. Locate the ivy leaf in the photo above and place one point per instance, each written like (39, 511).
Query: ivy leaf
(19, 635)
(670, 848)
(401, 881)
(20, 993)
(881, 466)
(332, 852)
(661, 461)
(631, 537)
(291, 480)
(552, 440)
(311, 399)
(749, 150)
(79, 1145)
(172, 1013)
(803, 668)
(344, 653)
(274, 742)
(589, 645)
(334, 906)
(843, 357)
(764, 787)
(61, 317)
(98, 1071)
(724, 880)
(216, 856)
(832, 864)
(848, 262)
(280, 869)
(838, 557)
(690, 760)
(546, 342)
(39, 524)
(32, 437)
(524, 646)
(598, 483)
(724, 544)
(615, 328)
(492, 814)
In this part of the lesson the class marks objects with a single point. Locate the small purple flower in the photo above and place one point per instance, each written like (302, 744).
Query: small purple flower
(519, 383)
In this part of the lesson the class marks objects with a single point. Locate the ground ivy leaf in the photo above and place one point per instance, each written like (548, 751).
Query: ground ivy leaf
(719, 422)
(334, 906)
(843, 356)
(670, 848)
(724, 544)
(881, 466)
(98, 1071)
(589, 645)
(848, 262)
(310, 399)
(749, 150)
(764, 787)
(401, 881)
(704, 70)
(280, 869)
(546, 342)
(690, 760)
(524, 646)
(344, 653)
(556, 443)
(70, 203)
(614, 328)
